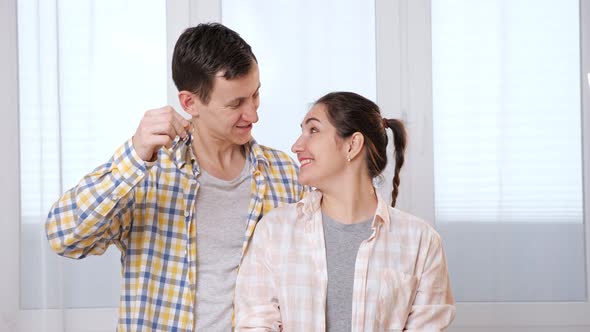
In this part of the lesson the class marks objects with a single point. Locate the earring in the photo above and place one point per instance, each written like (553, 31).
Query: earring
(348, 159)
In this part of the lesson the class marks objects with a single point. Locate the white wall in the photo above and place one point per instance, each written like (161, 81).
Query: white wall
(404, 91)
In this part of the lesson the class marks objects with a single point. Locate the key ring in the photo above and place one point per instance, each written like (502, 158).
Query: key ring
(186, 140)
(189, 134)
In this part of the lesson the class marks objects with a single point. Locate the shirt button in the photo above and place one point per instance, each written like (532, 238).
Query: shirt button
(193, 181)
(186, 213)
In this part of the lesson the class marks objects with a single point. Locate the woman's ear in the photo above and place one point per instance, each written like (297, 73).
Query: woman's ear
(355, 145)
(190, 103)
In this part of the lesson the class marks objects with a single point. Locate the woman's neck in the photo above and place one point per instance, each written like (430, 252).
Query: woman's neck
(351, 202)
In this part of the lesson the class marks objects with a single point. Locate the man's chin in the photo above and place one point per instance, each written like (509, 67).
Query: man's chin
(243, 140)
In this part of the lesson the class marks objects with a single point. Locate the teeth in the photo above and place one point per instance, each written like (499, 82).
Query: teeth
(305, 162)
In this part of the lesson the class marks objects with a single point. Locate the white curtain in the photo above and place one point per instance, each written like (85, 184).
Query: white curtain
(305, 49)
(507, 147)
(88, 70)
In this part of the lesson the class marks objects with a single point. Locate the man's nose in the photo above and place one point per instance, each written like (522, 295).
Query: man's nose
(251, 112)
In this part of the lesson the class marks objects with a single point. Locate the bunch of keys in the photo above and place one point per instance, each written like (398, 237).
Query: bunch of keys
(186, 140)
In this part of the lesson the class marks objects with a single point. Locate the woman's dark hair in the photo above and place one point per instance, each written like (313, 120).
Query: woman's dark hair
(351, 113)
(203, 51)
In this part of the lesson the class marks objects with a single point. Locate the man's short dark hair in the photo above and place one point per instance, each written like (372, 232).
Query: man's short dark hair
(205, 50)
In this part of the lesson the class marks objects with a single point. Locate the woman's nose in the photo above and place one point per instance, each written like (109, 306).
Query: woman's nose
(297, 146)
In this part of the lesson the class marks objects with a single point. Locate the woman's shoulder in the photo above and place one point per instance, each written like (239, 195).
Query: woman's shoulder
(280, 216)
(292, 214)
(413, 225)
(281, 212)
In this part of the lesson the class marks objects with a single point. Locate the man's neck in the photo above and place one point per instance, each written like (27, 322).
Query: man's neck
(222, 160)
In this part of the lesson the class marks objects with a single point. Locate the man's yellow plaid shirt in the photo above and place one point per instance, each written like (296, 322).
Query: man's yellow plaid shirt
(147, 210)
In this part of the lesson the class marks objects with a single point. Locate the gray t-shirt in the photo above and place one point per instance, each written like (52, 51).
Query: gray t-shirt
(342, 245)
(221, 216)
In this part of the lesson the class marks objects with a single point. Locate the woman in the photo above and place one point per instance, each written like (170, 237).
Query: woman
(341, 259)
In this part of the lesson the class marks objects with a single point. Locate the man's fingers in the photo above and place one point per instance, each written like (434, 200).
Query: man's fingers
(162, 110)
(165, 128)
(180, 126)
(159, 127)
(158, 141)
(183, 122)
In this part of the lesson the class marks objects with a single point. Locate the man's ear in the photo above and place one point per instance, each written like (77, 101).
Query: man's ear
(190, 103)
(355, 145)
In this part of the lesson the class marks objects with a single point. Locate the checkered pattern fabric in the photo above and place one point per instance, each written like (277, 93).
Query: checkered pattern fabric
(401, 282)
(146, 209)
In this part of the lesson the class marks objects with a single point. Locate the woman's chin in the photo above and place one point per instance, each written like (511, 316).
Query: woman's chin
(304, 181)
(308, 182)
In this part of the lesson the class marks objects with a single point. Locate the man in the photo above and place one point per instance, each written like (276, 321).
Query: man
(181, 198)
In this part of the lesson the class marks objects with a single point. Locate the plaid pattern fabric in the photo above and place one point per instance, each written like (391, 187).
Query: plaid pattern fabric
(401, 281)
(146, 209)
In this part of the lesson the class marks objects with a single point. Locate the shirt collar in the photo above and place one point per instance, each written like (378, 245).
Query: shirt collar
(255, 154)
(382, 212)
(310, 204)
(181, 153)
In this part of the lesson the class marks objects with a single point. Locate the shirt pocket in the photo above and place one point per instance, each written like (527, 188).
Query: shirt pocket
(396, 296)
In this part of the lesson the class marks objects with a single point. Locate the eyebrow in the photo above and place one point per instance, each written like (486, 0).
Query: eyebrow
(242, 98)
(308, 120)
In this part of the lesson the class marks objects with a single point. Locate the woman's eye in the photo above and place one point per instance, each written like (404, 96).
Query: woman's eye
(313, 130)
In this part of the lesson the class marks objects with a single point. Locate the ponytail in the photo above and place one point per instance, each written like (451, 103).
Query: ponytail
(399, 140)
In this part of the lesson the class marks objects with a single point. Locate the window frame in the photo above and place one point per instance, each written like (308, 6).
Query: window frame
(9, 169)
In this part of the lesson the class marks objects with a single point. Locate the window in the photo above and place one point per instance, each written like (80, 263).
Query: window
(303, 56)
(88, 70)
(507, 148)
